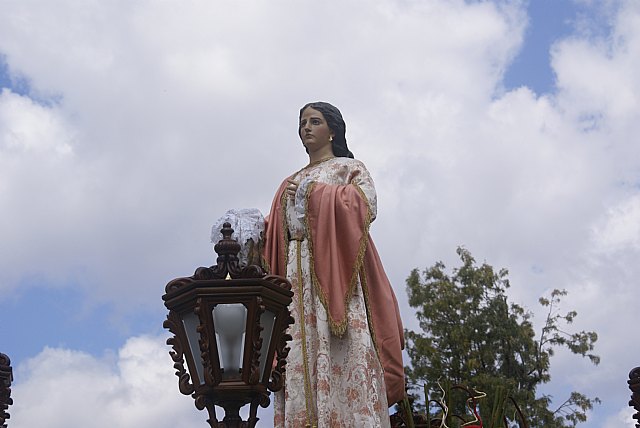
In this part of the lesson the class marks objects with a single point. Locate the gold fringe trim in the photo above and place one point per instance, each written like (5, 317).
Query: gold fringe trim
(365, 292)
(338, 328)
(285, 231)
(305, 361)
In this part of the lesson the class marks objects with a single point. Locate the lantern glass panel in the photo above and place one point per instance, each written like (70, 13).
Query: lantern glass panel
(230, 321)
(267, 320)
(191, 322)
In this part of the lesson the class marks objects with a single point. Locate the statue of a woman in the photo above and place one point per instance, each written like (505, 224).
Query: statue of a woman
(345, 364)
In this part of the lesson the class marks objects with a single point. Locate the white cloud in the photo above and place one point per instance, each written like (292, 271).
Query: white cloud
(165, 103)
(621, 229)
(36, 153)
(31, 128)
(167, 115)
(622, 419)
(135, 388)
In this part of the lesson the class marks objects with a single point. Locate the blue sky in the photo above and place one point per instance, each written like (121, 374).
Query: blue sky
(549, 20)
(120, 122)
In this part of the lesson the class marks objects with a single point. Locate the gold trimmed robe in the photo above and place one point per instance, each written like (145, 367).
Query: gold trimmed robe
(332, 260)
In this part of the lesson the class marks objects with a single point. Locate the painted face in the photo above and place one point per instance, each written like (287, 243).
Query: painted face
(314, 130)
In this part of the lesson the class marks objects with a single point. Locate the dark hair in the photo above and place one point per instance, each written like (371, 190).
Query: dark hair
(336, 123)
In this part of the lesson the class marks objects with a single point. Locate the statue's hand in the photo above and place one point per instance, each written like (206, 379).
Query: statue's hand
(291, 189)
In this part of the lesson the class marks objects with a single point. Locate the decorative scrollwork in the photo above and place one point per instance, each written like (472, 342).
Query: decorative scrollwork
(264, 401)
(201, 401)
(204, 343)
(203, 274)
(172, 323)
(197, 295)
(227, 262)
(227, 265)
(252, 271)
(6, 377)
(279, 281)
(634, 386)
(177, 284)
(276, 380)
(254, 375)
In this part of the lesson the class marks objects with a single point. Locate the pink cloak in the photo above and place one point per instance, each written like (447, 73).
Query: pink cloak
(337, 223)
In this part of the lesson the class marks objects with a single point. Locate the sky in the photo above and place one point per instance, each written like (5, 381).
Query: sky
(128, 127)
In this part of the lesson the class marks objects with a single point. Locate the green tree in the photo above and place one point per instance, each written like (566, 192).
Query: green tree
(472, 335)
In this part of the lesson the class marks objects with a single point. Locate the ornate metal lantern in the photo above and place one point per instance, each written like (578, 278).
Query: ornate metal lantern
(6, 377)
(229, 323)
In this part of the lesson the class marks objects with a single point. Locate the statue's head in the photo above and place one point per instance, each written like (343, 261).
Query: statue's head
(336, 123)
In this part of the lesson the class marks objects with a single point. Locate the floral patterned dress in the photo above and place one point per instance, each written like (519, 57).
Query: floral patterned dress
(330, 381)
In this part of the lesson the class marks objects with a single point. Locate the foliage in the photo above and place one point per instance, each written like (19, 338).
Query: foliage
(472, 335)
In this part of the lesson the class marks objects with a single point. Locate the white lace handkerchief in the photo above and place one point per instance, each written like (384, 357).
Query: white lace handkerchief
(248, 230)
